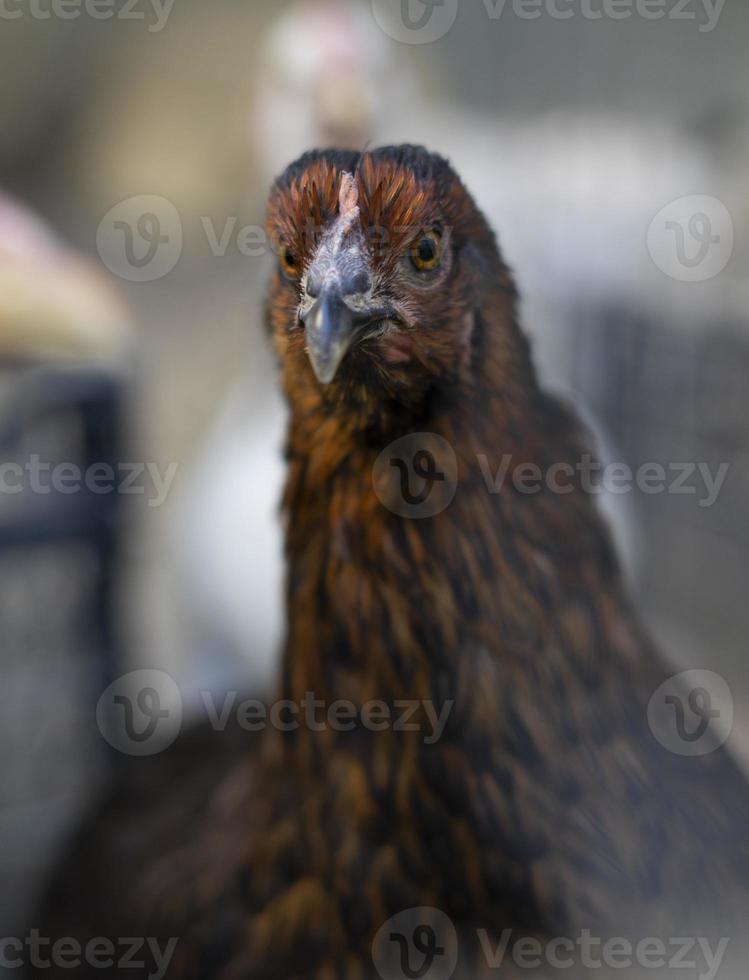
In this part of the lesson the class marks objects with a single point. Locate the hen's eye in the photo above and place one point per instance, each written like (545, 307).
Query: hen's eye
(427, 252)
(289, 262)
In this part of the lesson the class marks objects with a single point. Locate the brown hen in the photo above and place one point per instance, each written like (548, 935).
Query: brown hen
(526, 789)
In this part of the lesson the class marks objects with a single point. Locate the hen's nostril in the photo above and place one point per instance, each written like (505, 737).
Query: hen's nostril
(314, 284)
(357, 284)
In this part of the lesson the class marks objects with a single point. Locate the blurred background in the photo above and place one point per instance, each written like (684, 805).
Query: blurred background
(610, 154)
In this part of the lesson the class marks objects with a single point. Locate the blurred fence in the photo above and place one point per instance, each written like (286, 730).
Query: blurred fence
(58, 568)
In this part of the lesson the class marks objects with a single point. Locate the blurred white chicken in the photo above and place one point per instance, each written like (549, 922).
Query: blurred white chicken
(325, 78)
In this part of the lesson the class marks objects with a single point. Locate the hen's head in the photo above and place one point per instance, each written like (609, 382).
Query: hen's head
(384, 263)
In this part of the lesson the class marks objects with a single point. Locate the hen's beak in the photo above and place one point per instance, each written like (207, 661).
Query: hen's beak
(338, 302)
(331, 327)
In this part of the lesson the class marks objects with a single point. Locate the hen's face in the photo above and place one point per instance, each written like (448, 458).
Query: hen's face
(379, 262)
